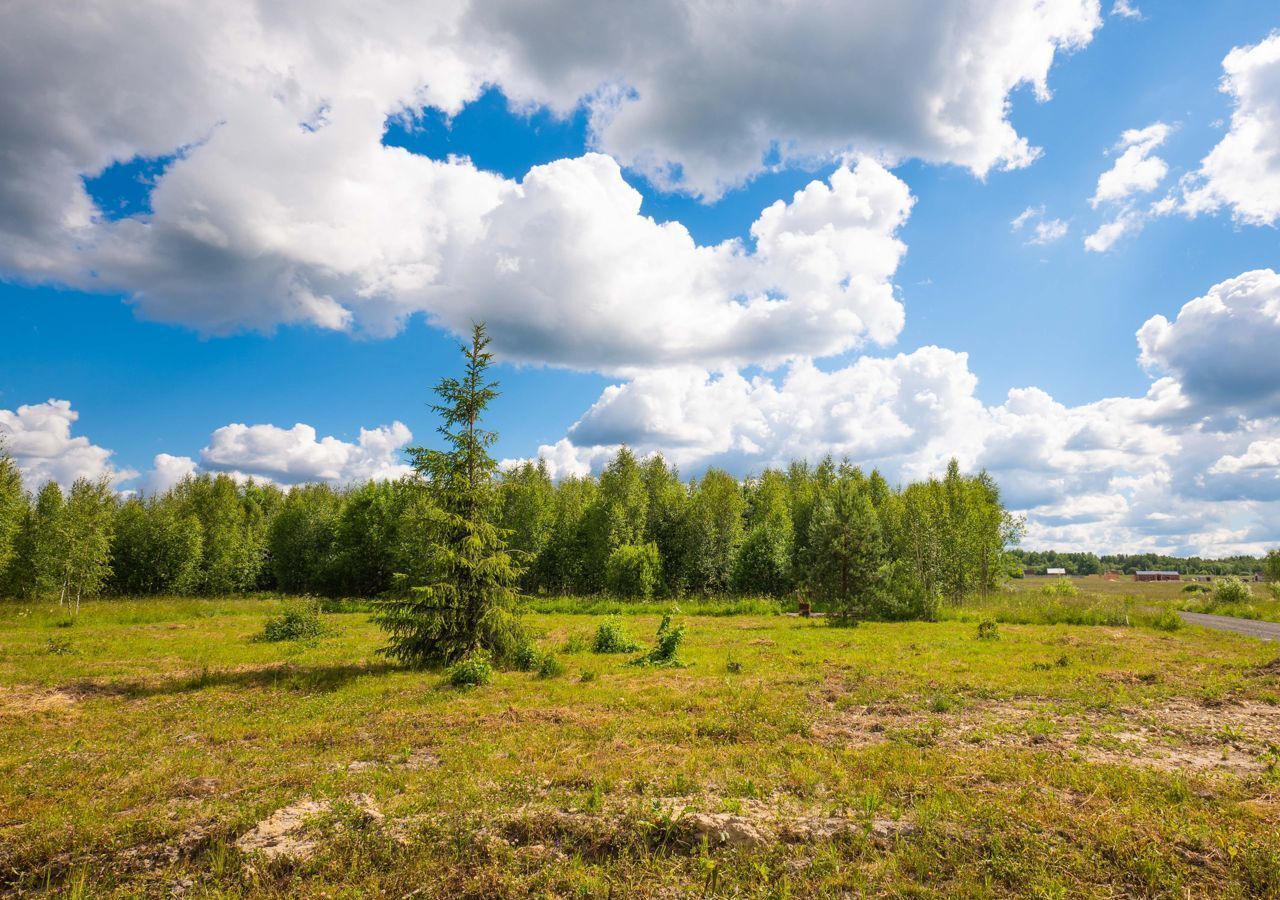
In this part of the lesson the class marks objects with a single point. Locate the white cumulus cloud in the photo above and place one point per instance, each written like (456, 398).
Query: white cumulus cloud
(1242, 172)
(281, 205)
(1136, 170)
(39, 438)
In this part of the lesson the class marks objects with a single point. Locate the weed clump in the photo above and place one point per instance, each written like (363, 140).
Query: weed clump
(576, 643)
(296, 622)
(1060, 588)
(988, 630)
(473, 670)
(611, 637)
(666, 648)
(526, 658)
(1168, 621)
(59, 646)
(550, 667)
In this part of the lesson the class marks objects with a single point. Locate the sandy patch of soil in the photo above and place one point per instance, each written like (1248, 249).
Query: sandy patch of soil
(1233, 737)
(289, 833)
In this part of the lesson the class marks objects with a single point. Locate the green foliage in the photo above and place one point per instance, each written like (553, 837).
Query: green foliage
(157, 548)
(526, 658)
(301, 539)
(85, 552)
(712, 532)
(1195, 589)
(467, 601)
(1271, 566)
(550, 667)
(611, 637)
(13, 510)
(1231, 590)
(988, 630)
(233, 521)
(633, 571)
(472, 670)
(847, 553)
(666, 646)
(298, 621)
(1060, 587)
(1168, 620)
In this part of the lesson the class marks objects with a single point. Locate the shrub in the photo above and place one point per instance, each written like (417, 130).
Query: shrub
(1060, 588)
(1195, 589)
(526, 658)
(1168, 621)
(633, 570)
(550, 667)
(296, 622)
(611, 637)
(667, 646)
(988, 630)
(472, 670)
(1231, 590)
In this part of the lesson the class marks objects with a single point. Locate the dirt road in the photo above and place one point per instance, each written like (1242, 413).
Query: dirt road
(1267, 631)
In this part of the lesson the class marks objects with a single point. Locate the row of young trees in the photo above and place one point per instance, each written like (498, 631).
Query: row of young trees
(636, 531)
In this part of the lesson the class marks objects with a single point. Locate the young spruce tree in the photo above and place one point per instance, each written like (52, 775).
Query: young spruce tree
(469, 600)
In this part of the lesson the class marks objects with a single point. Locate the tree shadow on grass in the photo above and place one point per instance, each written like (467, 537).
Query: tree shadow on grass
(318, 679)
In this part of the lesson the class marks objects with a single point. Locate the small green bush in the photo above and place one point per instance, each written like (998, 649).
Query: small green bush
(988, 630)
(666, 648)
(472, 670)
(550, 667)
(611, 637)
(1231, 590)
(1195, 589)
(576, 643)
(526, 658)
(1060, 588)
(296, 622)
(1168, 621)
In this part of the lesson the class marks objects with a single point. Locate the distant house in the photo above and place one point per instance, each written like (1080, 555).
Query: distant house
(1156, 576)
(1055, 571)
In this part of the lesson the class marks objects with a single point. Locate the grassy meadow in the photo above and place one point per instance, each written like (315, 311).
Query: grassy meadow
(785, 758)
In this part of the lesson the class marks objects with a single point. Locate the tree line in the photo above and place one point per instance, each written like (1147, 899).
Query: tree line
(1037, 561)
(838, 534)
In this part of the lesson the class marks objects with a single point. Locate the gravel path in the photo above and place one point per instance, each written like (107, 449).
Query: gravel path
(1267, 631)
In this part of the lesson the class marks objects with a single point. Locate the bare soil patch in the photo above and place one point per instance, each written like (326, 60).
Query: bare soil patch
(1235, 737)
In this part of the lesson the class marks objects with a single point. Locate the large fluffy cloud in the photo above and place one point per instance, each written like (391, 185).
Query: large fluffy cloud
(699, 95)
(1222, 347)
(1242, 172)
(39, 438)
(281, 205)
(291, 455)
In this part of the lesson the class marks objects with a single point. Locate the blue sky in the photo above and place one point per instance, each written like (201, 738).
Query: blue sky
(82, 326)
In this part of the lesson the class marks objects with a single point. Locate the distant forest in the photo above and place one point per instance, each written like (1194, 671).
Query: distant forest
(1034, 562)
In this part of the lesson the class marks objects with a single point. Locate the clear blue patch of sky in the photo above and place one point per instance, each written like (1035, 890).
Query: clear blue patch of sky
(123, 189)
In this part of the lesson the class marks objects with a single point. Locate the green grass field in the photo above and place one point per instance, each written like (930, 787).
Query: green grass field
(789, 758)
